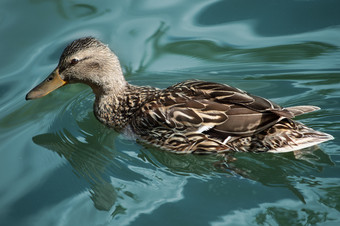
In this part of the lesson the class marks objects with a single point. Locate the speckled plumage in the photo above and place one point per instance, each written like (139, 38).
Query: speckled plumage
(189, 117)
(122, 107)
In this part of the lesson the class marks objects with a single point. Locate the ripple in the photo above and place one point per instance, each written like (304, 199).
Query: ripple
(268, 24)
(294, 211)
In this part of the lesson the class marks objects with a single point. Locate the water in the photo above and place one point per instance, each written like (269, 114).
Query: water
(60, 166)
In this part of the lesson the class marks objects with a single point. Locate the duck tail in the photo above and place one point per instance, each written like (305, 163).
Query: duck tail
(299, 110)
(286, 139)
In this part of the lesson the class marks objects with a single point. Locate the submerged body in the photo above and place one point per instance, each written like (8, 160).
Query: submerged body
(189, 117)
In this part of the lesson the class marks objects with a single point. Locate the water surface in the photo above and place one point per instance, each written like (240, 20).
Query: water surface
(60, 166)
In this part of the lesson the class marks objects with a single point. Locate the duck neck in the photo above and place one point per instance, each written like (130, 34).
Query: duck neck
(117, 109)
(112, 85)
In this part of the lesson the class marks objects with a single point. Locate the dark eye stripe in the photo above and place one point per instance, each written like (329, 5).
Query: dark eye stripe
(73, 62)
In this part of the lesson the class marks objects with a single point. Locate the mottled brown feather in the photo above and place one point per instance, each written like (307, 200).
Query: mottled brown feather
(221, 112)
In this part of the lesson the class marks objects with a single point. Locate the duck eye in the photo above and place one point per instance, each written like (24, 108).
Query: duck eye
(74, 61)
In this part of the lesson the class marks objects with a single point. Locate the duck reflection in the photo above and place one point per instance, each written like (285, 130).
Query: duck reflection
(279, 170)
(91, 151)
(89, 159)
(273, 170)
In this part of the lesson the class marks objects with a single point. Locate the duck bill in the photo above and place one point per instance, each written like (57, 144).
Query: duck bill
(52, 82)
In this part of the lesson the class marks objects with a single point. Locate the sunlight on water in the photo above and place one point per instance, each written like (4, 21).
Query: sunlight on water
(60, 166)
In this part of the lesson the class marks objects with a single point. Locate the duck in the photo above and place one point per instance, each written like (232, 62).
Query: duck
(192, 116)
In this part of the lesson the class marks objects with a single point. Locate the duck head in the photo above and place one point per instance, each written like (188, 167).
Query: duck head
(87, 61)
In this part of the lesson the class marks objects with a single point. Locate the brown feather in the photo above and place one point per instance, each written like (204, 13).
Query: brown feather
(220, 111)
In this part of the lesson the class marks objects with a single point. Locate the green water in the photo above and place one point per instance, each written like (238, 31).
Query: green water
(60, 166)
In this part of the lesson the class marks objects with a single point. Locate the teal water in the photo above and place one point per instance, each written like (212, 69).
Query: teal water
(60, 166)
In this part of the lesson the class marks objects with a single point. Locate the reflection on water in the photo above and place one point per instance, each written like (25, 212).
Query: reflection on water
(211, 51)
(92, 154)
(101, 165)
(286, 51)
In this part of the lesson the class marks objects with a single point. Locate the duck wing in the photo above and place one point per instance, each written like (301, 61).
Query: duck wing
(217, 111)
